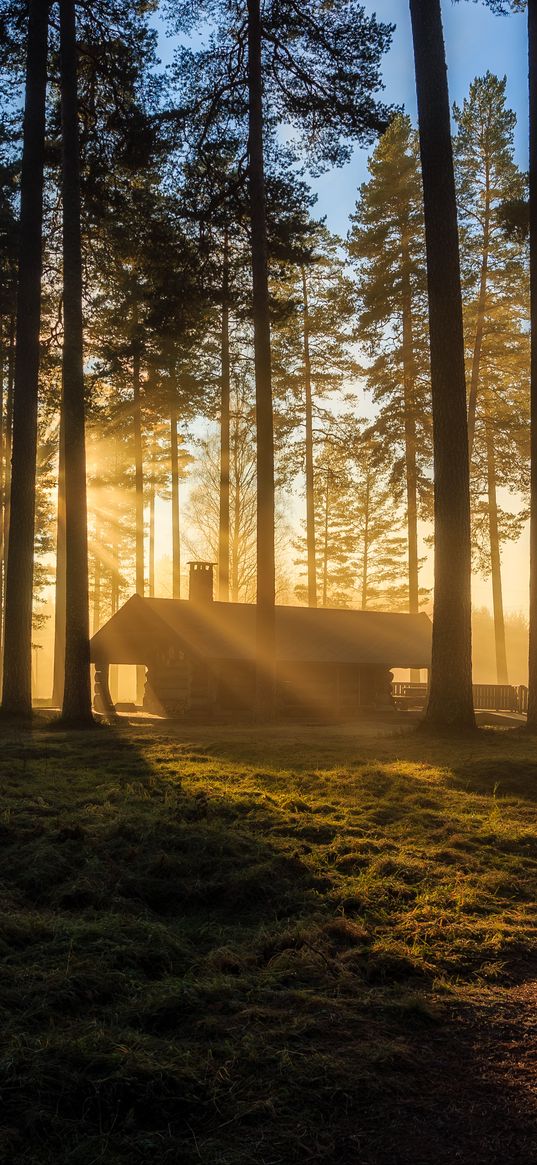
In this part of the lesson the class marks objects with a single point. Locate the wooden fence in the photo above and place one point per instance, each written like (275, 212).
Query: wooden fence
(487, 697)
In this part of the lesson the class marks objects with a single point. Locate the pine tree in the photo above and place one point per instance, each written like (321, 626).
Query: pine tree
(380, 525)
(495, 293)
(314, 357)
(8, 289)
(17, 678)
(360, 544)
(332, 495)
(387, 244)
(202, 514)
(487, 177)
(112, 516)
(76, 706)
(500, 459)
(503, 6)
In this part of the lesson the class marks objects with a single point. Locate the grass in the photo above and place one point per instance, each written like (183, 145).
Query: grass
(236, 946)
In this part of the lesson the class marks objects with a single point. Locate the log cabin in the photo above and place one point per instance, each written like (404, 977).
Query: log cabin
(199, 655)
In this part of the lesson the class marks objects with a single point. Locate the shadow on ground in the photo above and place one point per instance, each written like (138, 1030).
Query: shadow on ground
(469, 1094)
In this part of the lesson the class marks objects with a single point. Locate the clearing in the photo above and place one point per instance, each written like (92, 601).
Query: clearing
(267, 946)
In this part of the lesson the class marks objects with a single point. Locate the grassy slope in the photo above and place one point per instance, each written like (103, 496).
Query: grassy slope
(250, 947)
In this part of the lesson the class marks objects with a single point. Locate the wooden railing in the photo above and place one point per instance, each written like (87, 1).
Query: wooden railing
(522, 693)
(411, 695)
(487, 697)
(496, 697)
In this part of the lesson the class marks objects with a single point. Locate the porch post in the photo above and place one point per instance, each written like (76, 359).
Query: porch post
(103, 700)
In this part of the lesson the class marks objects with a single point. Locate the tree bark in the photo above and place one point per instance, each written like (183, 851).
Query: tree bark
(17, 678)
(495, 564)
(176, 517)
(60, 598)
(325, 547)
(365, 562)
(266, 587)
(152, 539)
(76, 707)
(310, 495)
(138, 472)
(409, 388)
(235, 546)
(450, 704)
(409, 382)
(138, 487)
(532, 54)
(3, 363)
(114, 593)
(223, 523)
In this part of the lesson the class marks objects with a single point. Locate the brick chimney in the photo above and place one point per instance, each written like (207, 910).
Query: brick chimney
(200, 583)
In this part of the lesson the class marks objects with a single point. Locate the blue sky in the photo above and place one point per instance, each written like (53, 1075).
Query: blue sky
(476, 40)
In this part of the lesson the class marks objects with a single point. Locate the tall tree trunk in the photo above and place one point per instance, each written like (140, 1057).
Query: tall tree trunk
(450, 704)
(365, 564)
(495, 563)
(266, 587)
(235, 547)
(152, 492)
(76, 707)
(3, 367)
(480, 322)
(409, 384)
(17, 679)
(325, 546)
(310, 495)
(139, 488)
(223, 522)
(60, 597)
(176, 516)
(138, 473)
(409, 379)
(114, 594)
(532, 53)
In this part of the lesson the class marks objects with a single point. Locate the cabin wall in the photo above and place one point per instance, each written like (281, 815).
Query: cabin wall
(181, 686)
(234, 685)
(340, 690)
(168, 685)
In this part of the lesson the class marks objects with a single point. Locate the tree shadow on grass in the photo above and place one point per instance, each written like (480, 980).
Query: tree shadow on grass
(92, 811)
(301, 746)
(502, 777)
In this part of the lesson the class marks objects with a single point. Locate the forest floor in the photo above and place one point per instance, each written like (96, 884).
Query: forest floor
(269, 946)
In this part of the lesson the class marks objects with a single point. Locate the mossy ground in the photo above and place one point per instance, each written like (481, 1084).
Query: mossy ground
(263, 945)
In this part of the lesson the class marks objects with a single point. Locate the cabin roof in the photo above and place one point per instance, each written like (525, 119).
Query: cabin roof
(143, 628)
